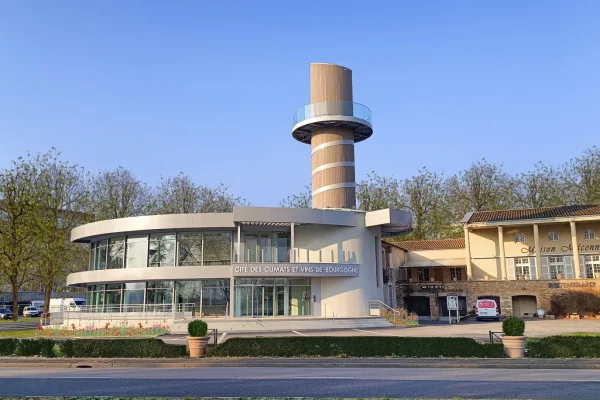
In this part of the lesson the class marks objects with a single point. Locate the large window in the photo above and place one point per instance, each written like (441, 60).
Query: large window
(190, 249)
(456, 274)
(161, 252)
(423, 274)
(112, 297)
(262, 297)
(592, 266)
(116, 253)
(101, 250)
(210, 297)
(557, 267)
(159, 293)
(217, 248)
(137, 251)
(133, 295)
(553, 236)
(522, 268)
(589, 234)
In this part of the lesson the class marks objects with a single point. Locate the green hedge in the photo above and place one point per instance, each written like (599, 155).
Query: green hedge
(357, 346)
(88, 348)
(121, 348)
(27, 347)
(564, 347)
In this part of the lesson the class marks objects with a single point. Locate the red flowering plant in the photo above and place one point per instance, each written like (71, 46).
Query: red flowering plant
(106, 331)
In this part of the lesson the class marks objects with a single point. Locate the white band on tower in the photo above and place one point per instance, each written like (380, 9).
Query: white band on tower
(332, 143)
(333, 165)
(334, 186)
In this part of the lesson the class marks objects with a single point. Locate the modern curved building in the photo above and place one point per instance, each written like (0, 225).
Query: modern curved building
(259, 262)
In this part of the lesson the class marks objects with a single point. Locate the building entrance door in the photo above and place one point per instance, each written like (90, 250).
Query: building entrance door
(262, 301)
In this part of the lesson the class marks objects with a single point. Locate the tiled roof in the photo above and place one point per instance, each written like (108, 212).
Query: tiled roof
(441, 244)
(534, 213)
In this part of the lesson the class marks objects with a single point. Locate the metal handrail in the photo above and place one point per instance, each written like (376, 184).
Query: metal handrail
(326, 108)
(494, 335)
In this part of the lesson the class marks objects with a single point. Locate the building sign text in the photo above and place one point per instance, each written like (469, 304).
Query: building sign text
(560, 285)
(564, 249)
(295, 269)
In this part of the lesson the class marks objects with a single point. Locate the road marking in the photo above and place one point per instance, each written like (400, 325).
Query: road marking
(298, 333)
(375, 333)
(221, 338)
(327, 377)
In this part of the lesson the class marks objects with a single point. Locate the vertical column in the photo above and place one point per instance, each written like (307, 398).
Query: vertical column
(292, 243)
(538, 252)
(468, 254)
(239, 241)
(502, 256)
(231, 297)
(576, 263)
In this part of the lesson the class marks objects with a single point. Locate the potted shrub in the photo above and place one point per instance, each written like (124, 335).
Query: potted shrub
(513, 339)
(197, 339)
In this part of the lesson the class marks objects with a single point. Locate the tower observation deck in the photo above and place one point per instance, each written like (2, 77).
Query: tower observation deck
(331, 124)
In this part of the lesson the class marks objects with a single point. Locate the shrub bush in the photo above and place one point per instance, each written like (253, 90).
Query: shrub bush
(35, 347)
(197, 328)
(121, 348)
(564, 347)
(8, 347)
(582, 303)
(513, 326)
(358, 346)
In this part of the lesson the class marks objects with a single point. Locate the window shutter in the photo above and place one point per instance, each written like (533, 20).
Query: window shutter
(545, 268)
(532, 268)
(510, 268)
(569, 273)
(583, 269)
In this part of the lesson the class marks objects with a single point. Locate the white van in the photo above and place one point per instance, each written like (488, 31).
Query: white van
(38, 304)
(70, 304)
(486, 309)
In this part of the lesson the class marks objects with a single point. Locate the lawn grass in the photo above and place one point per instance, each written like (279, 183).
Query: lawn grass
(18, 334)
(10, 321)
(591, 334)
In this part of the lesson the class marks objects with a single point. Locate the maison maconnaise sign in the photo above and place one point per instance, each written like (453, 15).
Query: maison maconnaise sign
(295, 269)
(563, 249)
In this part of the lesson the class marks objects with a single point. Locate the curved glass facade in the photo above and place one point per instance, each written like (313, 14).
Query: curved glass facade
(188, 249)
(325, 108)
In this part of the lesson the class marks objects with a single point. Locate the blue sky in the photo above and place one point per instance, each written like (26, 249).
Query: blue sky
(209, 88)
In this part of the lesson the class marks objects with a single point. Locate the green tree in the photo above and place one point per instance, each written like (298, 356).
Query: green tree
(484, 186)
(19, 225)
(298, 200)
(378, 192)
(581, 177)
(119, 193)
(540, 187)
(64, 199)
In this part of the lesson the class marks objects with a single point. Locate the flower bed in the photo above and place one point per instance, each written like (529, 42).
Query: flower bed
(400, 317)
(122, 330)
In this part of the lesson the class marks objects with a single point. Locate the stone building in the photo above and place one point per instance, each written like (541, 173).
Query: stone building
(520, 258)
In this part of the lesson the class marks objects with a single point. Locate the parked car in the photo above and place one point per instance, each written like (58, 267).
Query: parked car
(31, 311)
(486, 309)
(5, 313)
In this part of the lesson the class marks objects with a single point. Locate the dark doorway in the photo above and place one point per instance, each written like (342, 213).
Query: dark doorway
(524, 306)
(418, 305)
(443, 306)
(495, 298)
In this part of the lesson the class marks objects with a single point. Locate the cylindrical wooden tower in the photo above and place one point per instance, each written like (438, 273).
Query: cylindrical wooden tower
(332, 123)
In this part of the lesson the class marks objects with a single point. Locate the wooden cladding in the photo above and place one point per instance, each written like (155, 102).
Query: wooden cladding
(335, 198)
(325, 135)
(333, 175)
(330, 82)
(337, 153)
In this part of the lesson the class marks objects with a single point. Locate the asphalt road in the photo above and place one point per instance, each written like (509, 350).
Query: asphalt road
(305, 382)
(20, 326)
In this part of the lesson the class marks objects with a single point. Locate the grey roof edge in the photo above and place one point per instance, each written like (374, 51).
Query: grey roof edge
(467, 217)
(298, 215)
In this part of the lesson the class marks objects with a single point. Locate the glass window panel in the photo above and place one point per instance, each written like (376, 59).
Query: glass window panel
(162, 250)
(137, 250)
(112, 297)
(116, 253)
(160, 285)
(190, 249)
(135, 286)
(113, 286)
(217, 248)
(92, 256)
(133, 297)
(159, 296)
(101, 252)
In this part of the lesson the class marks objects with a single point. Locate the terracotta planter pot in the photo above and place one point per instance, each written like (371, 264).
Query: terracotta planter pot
(514, 346)
(197, 346)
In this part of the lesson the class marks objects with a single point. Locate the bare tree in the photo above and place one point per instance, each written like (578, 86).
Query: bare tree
(64, 199)
(581, 177)
(19, 223)
(540, 187)
(119, 194)
(484, 186)
(378, 192)
(298, 200)
(180, 195)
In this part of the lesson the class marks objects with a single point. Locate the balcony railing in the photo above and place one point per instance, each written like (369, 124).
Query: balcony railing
(327, 108)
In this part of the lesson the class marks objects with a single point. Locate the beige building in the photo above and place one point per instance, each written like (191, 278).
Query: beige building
(552, 249)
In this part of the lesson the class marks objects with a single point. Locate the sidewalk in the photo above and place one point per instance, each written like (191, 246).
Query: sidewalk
(503, 363)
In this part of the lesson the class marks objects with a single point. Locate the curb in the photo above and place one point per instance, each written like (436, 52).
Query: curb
(499, 363)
